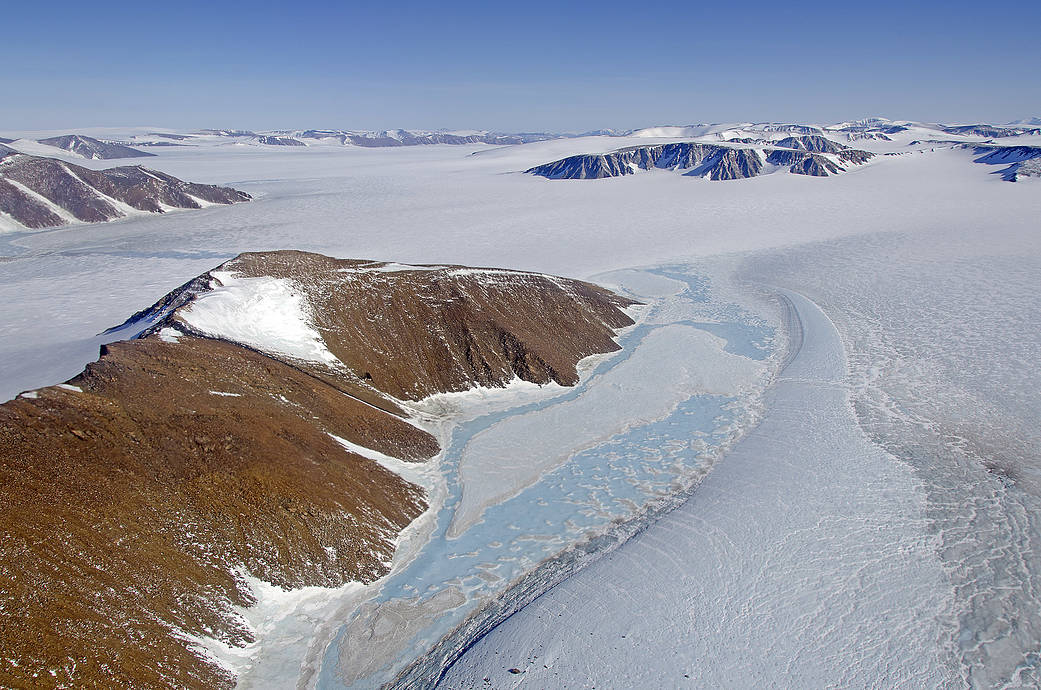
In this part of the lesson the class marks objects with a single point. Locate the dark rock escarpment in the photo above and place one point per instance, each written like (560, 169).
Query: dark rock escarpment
(715, 161)
(803, 162)
(133, 499)
(1022, 161)
(46, 192)
(801, 155)
(279, 141)
(814, 143)
(989, 131)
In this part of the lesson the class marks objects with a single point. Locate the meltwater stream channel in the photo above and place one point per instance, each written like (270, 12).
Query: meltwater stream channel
(641, 429)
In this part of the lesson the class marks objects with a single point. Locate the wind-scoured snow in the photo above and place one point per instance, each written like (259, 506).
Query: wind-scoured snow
(268, 314)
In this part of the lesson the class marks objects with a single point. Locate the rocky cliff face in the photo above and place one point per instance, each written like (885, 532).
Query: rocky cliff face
(1028, 168)
(989, 131)
(92, 148)
(803, 162)
(813, 143)
(713, 161)
(135, 496)
(279, 141)
(45, 192)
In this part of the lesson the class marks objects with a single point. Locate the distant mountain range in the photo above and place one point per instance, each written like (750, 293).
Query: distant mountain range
(391, 137)
(736, 151)
(868, 129)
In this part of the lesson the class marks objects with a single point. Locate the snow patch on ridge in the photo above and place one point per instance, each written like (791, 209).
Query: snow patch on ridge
(414, 472)
(269, 314)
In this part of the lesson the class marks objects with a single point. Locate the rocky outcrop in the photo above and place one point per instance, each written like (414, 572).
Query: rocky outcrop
(730, 164)
(997, 155)
(136, 496)
(1022, 161)
(867, 136)
(92, 148)
(45, 192)
(232, 133)
(712, 161)
(1027, 168)
(813, 143)
(279, 141)
(709, 160)
(988, 131)
(803, 162)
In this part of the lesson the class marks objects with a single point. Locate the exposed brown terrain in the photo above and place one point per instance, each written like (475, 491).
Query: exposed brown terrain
(42, 192)
(132, 502)
(411, 333)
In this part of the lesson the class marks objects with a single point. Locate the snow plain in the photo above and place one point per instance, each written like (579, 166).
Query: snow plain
(924, 262)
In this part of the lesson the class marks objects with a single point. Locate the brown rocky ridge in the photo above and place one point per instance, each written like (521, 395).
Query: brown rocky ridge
(38, 192)
(136, 498)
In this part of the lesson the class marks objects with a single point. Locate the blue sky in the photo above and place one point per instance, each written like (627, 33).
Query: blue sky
(532, 66)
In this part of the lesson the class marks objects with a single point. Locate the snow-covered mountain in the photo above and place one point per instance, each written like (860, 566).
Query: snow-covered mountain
(37, 192)
(402, 137)
(94, 149)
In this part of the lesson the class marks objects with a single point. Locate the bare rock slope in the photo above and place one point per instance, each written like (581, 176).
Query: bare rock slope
(134, 497)
(38, 192)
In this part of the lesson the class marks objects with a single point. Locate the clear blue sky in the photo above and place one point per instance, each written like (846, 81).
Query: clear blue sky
(511, 67)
